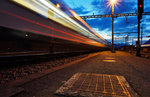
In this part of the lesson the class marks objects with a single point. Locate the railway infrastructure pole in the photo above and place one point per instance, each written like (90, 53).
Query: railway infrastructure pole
(138, 53)
(140, 11)
(141, 34)
(113, 51)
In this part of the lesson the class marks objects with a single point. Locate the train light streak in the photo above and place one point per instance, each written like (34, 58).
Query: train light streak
(58, 11)
(45, 26)
(85, 41)
(52, 35)
(81, 20)
(49, 10)
(33, 6)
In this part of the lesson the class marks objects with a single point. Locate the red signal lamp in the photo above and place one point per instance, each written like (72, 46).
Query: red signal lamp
(140, 6)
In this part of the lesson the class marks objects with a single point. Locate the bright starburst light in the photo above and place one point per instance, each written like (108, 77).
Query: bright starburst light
(112, 2)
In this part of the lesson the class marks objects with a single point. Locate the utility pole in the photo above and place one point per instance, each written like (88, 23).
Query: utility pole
(138, 42)
(141, 34)
(113, 4)
(140, 11)
(113, 28)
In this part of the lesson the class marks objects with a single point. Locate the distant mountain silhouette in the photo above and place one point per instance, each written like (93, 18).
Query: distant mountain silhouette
(147, 42)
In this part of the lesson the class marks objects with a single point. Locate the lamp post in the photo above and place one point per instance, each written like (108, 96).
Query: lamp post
(113, 3)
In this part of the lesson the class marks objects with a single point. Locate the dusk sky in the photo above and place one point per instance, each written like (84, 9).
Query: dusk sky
(103, 26)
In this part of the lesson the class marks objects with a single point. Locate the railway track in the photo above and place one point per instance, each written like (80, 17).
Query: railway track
(19, 67)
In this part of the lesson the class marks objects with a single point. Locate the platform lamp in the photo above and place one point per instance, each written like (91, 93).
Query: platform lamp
(113, 2)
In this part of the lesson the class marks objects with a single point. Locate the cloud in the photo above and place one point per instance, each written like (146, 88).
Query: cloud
(102, 23)
(146, 9)
(100, 6)
(147, 27)
(146, 5)
(127, 7)
(128, 26)
(81, 10)
(116, 21)
(104, 33)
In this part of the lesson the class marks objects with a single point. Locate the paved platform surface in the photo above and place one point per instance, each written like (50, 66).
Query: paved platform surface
(136, 70)
(96, 85)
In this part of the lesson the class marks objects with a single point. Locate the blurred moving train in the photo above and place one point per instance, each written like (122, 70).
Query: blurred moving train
(46, 27)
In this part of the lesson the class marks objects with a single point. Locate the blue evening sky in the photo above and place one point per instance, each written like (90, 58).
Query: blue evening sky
(103, 26)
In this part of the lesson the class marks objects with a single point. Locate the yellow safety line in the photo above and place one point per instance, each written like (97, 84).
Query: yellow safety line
(112, 86)
(96, 83)
(126, 89)
(126, 92)
(107, 93)
(104, 84)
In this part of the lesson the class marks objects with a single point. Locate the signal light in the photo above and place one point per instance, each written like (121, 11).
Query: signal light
(140, 6)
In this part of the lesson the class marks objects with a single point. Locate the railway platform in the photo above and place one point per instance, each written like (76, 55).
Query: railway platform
(135, 70)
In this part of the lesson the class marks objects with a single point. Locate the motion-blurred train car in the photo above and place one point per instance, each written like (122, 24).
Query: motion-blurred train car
(146, 47)
(44, 27)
